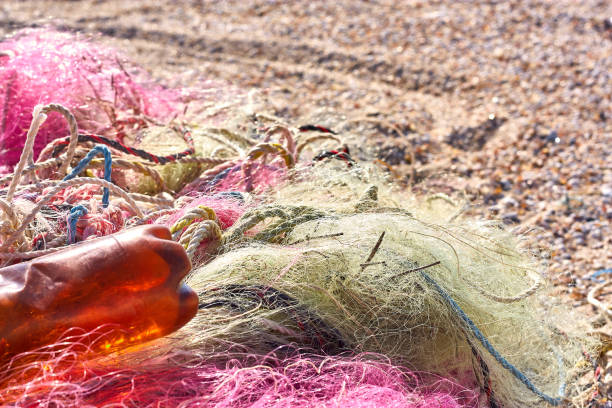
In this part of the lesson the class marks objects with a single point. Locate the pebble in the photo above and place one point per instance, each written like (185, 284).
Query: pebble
(509, 202)
(511, 218)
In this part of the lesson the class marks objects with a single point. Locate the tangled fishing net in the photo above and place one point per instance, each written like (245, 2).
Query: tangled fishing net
(43, 66)
(318, 281)
(285, 379)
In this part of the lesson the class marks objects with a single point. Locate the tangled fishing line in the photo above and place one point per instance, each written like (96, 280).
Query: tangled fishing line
(318, 281)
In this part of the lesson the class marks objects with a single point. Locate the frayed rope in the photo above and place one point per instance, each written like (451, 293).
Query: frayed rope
(76, 212)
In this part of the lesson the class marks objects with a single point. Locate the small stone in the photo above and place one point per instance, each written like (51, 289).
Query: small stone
(508, 202)
(596, 234)
(511, 218)
(574, 182)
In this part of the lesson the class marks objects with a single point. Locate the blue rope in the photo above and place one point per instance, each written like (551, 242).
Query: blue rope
(599, 273)
(76, 212)
(483, 340)
(108, 162)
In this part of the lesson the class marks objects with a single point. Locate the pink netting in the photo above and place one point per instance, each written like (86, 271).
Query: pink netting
(65, 377)
(228, 208)
(262, 176)
(105, 94)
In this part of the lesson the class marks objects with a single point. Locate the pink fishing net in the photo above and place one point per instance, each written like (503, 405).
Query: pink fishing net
(64, 377)
(105, 93)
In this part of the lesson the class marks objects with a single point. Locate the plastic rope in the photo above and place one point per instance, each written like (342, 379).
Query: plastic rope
(108, 162)
(316, 128)
(76, 212)
(596, 274)
(489, 347)
(125, 149)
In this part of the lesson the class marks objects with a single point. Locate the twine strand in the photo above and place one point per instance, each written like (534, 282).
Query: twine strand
(108, 162)
(39, 118)
(76, 212)
(471, 326)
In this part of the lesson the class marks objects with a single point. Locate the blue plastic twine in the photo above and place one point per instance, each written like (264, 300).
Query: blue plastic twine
(489, 347)
(599, 273)
(108, 162)
(76, 212)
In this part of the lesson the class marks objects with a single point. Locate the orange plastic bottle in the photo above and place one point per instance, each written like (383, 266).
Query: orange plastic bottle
(131, 280)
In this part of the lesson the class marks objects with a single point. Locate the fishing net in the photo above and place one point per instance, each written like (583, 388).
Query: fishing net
(309, 266)
(454, 298)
